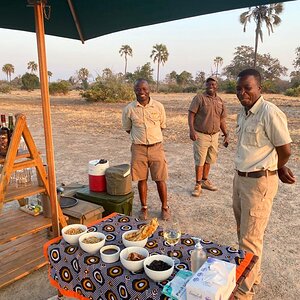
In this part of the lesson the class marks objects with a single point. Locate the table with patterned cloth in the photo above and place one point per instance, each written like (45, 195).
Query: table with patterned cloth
(78, 274)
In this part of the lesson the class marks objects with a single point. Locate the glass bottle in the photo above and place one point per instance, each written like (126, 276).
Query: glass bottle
(4, 137)
(198, 257)
(11, 125)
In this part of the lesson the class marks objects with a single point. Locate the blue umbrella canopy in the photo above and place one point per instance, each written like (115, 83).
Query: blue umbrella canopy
(87, 19)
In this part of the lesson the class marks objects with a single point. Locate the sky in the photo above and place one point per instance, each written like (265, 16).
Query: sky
(192, 44)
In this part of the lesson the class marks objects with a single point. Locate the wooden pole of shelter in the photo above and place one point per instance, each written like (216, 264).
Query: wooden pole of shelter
(40, 36)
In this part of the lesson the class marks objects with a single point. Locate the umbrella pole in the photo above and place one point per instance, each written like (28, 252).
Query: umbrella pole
(40, 36)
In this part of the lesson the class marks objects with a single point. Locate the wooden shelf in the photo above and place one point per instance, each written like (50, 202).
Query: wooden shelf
(14, 193)
(21, 257)
(16, 223)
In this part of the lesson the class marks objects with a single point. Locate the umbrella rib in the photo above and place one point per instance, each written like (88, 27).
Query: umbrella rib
(76, 20)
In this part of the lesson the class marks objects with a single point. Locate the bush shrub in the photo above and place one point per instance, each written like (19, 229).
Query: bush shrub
(5, 89)
(293, 92)
(228, 86)
(61, 87)
(30, 82)
(109, 91)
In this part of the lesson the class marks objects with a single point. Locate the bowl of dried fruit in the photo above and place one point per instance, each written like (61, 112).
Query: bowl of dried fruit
(92, 242)
(158, 267)
(72, 233)
(132, 258)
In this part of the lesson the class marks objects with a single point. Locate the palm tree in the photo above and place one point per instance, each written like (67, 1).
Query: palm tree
(32, 66)
(218, 62)
(49, 75)
(8, 69)
(126, 51)
(160, 55)
(262, 13)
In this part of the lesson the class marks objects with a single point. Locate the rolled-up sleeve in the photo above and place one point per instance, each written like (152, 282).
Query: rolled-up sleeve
(163, 122)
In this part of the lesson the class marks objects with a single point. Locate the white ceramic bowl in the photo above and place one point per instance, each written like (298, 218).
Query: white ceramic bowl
(127, 243)
(73, 238)
(112, 257)
(133, 266)
(92, 248)
(158, 275)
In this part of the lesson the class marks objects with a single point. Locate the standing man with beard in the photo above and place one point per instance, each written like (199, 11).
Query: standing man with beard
(144, 119)
(263, 149)
(207, 115)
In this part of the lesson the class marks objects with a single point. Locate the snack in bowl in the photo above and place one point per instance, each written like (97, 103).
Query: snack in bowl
(92, 242)
(143, 232)
(133, 256)
(133, 265)
(71, 233)
(110, 254)
(162, 262)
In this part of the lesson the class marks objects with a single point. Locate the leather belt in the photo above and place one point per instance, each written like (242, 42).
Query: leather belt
(151, 145)
(208, 133)
(257, 174)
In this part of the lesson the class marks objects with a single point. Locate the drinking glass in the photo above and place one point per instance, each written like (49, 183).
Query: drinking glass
(172, 235)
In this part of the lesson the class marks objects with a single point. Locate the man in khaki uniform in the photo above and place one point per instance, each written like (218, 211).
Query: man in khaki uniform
(263, 149)
(144, 120)
(207, 115)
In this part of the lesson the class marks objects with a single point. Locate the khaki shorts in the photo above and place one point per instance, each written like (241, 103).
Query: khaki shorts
(148, 157)
(206, 148)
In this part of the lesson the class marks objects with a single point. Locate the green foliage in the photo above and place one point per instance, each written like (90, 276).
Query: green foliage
(30, 82)
(228, 86)
(293, 92)
(61, 87)
(110, 88)
(5, 88)
(296, 62)
(145, 72)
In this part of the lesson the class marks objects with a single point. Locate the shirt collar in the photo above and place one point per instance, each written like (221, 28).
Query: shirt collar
(149, 104)
(254, 109)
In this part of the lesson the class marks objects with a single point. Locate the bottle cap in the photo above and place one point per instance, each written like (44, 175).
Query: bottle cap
(198, 245)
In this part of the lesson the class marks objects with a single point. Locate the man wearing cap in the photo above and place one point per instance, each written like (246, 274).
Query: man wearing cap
(207, 116)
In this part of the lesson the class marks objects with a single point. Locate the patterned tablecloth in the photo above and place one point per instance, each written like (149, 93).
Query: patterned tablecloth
(84, 276)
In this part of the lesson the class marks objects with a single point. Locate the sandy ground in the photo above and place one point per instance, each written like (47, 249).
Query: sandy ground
(84, 131)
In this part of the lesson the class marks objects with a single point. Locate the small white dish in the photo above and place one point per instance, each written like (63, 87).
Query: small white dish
(130, 265)
(73, 238)
(110, 253)
(92, 248)
(128, 243)
(159, 275)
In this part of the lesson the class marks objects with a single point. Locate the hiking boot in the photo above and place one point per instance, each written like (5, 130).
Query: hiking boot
(143, 214)
(166, 214)
(197, 190)
(206, 184)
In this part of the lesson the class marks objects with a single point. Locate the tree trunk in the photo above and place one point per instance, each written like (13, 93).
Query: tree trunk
(256, 43)
(158, 63)
(125, 65)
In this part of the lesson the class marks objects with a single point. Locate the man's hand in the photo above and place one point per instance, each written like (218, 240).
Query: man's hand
(286, 175)
(226, 140)
(193, 135)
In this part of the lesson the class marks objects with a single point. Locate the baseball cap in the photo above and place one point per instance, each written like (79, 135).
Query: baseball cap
(214, 78)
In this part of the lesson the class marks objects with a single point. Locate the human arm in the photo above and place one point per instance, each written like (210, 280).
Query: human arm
(223, 127)
(191, 118)
(284, 173)
(126, 121)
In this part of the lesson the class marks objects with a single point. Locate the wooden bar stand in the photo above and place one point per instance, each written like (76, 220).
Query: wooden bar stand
(22, 236)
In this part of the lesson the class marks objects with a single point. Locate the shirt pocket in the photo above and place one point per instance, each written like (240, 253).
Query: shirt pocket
(254, 135)
(219, 108)
(154, 117)
(137, 121)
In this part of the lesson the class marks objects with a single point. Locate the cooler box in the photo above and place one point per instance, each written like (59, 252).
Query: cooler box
(97, 168)
(118, 180)
(120, 204)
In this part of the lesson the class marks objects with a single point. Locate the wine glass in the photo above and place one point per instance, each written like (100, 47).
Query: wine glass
(172, 235)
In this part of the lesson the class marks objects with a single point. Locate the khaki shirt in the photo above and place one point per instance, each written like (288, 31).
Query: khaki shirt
(144, 122)
(209, 110)
(259, 132)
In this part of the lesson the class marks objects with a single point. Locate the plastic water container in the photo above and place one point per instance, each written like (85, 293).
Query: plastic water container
(97, 168)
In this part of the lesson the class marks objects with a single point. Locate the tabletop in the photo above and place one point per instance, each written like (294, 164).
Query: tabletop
(78, 274)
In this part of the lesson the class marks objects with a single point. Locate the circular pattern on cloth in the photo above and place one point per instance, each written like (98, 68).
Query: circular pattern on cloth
(109, 228)
(91, 260)
(75, 265)
(188, 242)
(114, 271)
(238, 260)
(151, 244)
(55, 255)
(175, 253)
(88, 285)
(206, 242)
(124, 220)
(214, 251)
(232, 250)
(182, 266)
(126, 227)
(109, 295)
(71, 249)
(140, 285)
(98, 277)
(110, 237)
(92, 229)
(78, 289)
(123, 292)
(65, 274)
